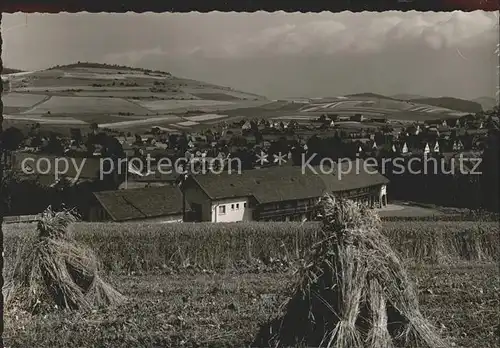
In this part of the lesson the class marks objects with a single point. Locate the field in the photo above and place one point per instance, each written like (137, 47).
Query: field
(134, 94)
(213, 285)
(205, 117)
(68, 121)
(83, 105)
(187, 123)
(226, 310)
(374, 106)
(164, 105)
(93, 93)
(131, 124)
(21, 99)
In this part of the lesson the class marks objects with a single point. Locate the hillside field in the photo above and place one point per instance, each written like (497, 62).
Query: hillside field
(213, 285)
(91, 92)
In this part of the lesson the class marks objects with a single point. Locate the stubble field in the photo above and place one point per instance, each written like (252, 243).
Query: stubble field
(194, 309)
(214, 285)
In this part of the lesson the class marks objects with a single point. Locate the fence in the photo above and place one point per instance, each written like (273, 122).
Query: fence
(21, 219)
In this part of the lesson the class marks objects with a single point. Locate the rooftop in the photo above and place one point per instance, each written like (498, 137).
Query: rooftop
(283, 183)
(141, 203)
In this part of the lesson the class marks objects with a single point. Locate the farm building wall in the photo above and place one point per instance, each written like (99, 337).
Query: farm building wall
(195, 196)
(231, 210)
(97, 213)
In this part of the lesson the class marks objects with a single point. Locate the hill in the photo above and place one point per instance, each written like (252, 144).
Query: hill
(135, 99)
(370, 105)
(451, 103)
(10, 71)
(118, 96)
(370, 95)
(405, 96)
(486, 102)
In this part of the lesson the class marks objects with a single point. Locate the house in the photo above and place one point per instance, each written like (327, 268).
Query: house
(435, 123)
(278, 193)
(427, 149)
(379, 119)
(246, 126)
(358, 118)
(404, 149)
(149, 204)
(436, 147)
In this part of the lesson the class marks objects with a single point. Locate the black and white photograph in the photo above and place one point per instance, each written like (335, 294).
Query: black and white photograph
(267, 180)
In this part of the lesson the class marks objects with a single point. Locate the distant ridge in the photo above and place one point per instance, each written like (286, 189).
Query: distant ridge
(487, 103)
(106, 66)
(370, 95)
(10, 71)
(451, 103)
(405, 96)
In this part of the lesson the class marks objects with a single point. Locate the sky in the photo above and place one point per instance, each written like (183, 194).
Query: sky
(276, 54)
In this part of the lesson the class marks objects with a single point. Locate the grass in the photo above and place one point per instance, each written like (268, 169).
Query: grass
(130, 93)
(133, 124)
(21, 100)
(133, 247)
(226, 310)
(64, 105)
(158, 105)
(214, 285)
(216, 96)
(206, 117)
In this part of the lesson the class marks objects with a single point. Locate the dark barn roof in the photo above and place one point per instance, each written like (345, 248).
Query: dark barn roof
(284, 183)
(142, 203)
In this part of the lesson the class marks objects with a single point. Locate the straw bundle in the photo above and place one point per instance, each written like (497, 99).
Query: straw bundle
(352, 290)
(52, 271)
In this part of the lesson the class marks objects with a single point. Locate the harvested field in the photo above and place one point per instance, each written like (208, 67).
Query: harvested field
(215, 96)
(87, 88)
(132, 94)
(69, 83)
(187, 123)
(158, 105)
(110, 76)
(297, 117)
(22, 100)
(14, 109)
(206, 117)
(140, 122)
(49, 120)
(68, 105)
(195, 309)
(214, 285)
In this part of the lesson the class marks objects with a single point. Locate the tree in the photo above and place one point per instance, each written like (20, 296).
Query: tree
(11, 139)
(54, 146)
(94, 127)
(490, 171)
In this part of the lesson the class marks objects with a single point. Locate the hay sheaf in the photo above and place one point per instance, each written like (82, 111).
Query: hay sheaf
(52, 271)
(352, 290)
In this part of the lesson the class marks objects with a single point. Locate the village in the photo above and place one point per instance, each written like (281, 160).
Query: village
(261, 147)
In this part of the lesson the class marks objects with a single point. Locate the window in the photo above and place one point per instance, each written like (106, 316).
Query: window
(232, 206)
(237, 206)
(222, 209)
(244, 205)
